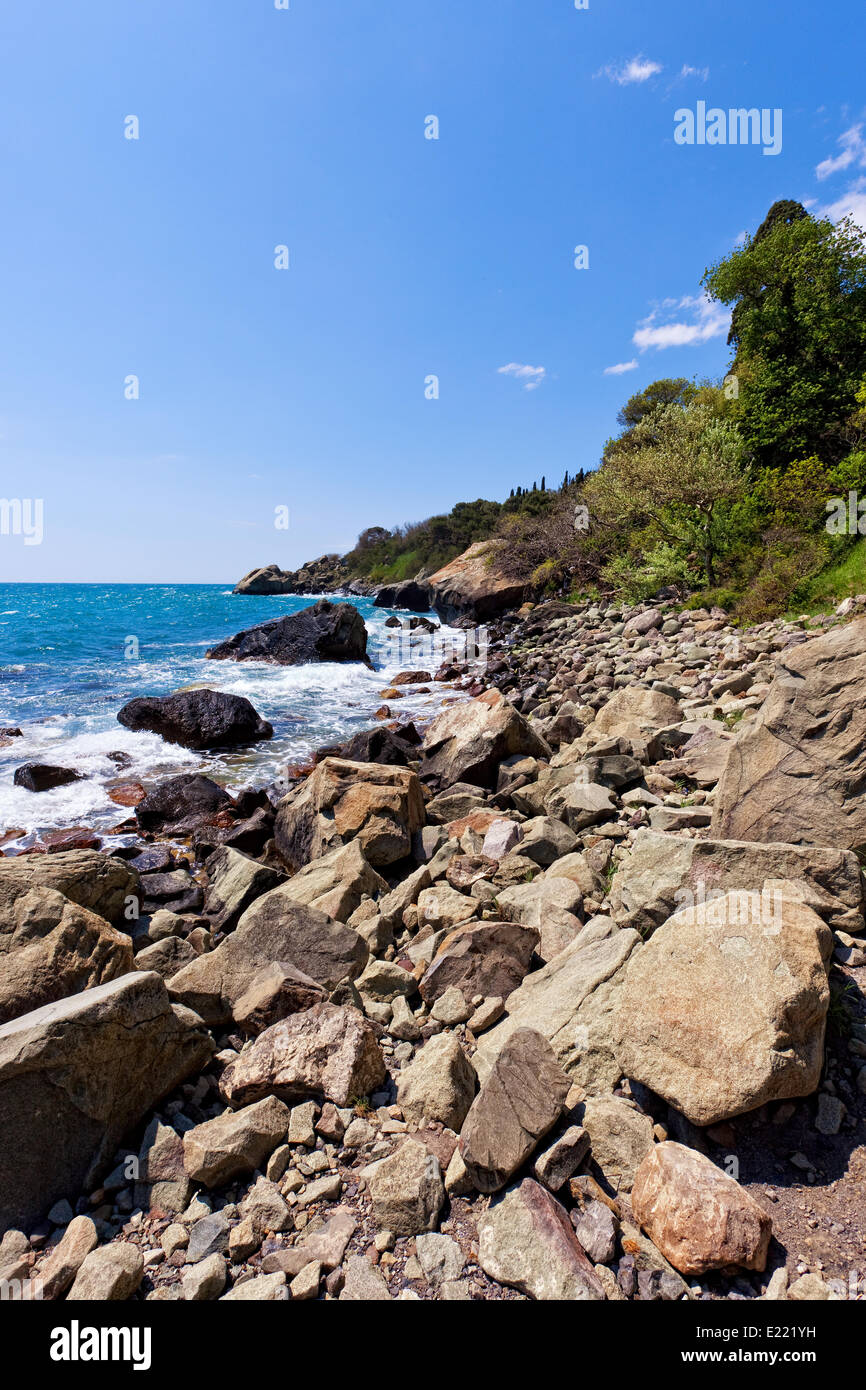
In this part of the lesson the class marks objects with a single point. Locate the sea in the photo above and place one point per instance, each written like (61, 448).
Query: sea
(71, 655)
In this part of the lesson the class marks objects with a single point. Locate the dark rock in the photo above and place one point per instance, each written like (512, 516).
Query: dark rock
(410, 595)
(182, 803)
(197, 719)
(323, 632)
(44, 777)
(382, 745)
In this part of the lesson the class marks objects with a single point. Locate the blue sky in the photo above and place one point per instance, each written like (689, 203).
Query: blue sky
(304, 388)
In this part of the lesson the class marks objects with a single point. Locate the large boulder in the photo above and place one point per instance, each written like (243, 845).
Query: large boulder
(698, 1217)
(634, 712)
(468, 741)
(520, 1101)
(379, 806)
(75, 1076)
(326, 1051)
(94, 881)
(526, 1240)
(235, 881)
(182, 804)
(57, 949)
(323, 632)
(334, 884)
(570, 1002)
(799, 774)
(197, 718)
(273, 929)
(490, 958)
(233, 1144)
(725, 1007)
(409, 595)
(667, 872)
(473, 586)
(438, 1085)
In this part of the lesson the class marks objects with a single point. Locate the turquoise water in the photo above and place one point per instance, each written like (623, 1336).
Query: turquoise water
(72, 654)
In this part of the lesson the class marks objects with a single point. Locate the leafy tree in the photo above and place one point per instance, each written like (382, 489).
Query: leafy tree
(674, 484)
(798, 291)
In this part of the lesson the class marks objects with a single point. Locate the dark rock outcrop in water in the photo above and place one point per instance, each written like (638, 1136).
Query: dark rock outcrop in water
(197, 719)
(322, 576)
(410, 594)
(44, 777)
(323, 632)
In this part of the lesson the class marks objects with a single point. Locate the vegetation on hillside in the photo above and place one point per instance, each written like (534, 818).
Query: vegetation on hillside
(744, 492)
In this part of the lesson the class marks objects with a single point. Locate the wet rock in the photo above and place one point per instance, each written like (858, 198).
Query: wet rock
(323, 632)
(182, 804)
(44, 777)
(197, 719)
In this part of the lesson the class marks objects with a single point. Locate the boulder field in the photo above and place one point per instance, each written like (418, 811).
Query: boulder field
(557, 998)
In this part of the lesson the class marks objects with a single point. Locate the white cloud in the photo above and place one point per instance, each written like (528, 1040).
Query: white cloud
(637, 69)
(686, 322)
(688, 71)
(530, 376)
(853, 153)
(621, 367)
(851, 204)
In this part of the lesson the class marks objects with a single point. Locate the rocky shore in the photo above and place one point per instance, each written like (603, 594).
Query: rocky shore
(558, 997)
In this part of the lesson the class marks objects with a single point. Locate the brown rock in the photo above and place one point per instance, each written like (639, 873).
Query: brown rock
(274, 993)
(273, 929)
(720, 1015)
(326, 1051)
(379, 805)
(56, 949)
(698, 1217)
(468, 741)
(521, 1100)
(489, 959)
(799, 773)
(75, 1076)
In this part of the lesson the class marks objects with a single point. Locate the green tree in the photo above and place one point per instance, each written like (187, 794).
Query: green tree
(798, 294)
(674, 485)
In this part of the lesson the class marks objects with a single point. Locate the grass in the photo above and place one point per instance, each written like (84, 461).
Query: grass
(834, 583)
